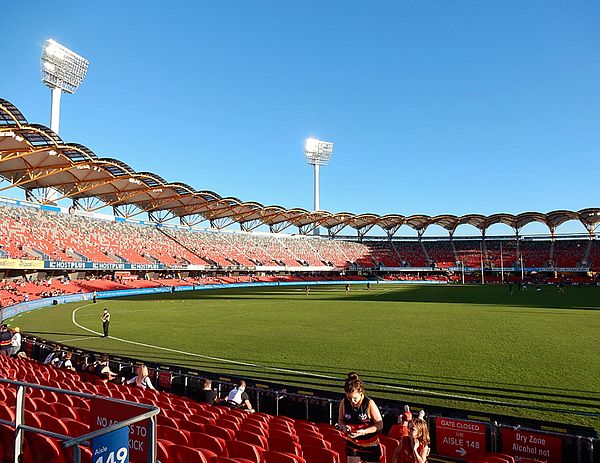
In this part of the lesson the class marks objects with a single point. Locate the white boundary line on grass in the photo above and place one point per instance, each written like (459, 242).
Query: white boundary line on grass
(307, 373)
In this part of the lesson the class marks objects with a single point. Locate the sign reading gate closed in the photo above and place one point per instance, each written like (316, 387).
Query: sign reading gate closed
(530, 445)
(459, 438)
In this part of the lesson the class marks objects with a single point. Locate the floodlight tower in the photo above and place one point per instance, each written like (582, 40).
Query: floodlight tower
(63, 70)
(317, 153)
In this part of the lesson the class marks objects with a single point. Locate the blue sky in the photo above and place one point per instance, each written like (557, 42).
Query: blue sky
(434, 106)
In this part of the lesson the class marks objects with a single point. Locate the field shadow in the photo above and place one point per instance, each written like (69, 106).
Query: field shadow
(581, 298)
(386, 383)
(65, 333)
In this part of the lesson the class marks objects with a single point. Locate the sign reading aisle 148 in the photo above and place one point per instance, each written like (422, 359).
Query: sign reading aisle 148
(459, 438)
(539, 447)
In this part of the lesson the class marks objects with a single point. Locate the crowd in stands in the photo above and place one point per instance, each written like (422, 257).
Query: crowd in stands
(30, 233)
(187, 430)
(203, 429)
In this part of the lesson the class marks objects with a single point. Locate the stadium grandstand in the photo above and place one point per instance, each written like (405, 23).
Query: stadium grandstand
(60, 241)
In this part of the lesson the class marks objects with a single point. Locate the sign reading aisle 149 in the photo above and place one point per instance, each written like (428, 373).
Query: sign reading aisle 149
(459, 438)
(112, 447)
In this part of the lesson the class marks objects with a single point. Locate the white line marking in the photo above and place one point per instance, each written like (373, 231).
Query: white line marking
(77, 339)
(306, 373)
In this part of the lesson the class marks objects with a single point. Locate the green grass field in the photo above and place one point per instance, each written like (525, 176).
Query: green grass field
(471, 347)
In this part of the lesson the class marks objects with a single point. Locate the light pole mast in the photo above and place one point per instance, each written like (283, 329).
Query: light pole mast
(317, 154)
(63, 70)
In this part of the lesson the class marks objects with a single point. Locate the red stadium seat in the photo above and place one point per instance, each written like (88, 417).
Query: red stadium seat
(162, 451)
(319, 454)
(236, 449)
(6, 413)
(281, 434)
(217, 431)
(166, 421)
(396, 431)
(262, 430)
(228, 460)
(177, 436)
(390, 445)
(279, 457)
(228, 424)
(205, 441)
(284, 445)
(63, 411)
(7, 446)
(39, 449)
(252, 438)
(313, 439)
(190, 426)
(51, 423)
(185, 454)
(202, 419)
(76, 428)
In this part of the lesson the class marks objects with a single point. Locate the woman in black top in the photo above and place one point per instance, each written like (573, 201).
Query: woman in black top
(361, 420)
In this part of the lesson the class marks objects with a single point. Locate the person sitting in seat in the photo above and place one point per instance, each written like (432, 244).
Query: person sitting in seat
(207, 395)
(142, 379)
(238, 398)
(102, 369)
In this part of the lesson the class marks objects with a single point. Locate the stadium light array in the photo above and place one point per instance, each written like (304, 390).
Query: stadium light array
(317, 154)
(63, 70)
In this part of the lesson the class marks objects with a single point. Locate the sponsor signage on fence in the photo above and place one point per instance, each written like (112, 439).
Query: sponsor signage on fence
(56, 264)
(21, 263)
(106, 412)
(534, 446)
(459, 438)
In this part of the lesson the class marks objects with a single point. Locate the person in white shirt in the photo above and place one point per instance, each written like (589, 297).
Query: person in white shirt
(238, 397)
(16, 341)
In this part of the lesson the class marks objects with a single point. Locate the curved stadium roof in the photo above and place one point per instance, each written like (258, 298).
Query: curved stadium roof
(34, 158)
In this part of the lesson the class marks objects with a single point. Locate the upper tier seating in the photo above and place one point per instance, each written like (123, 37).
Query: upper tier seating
(30, 233)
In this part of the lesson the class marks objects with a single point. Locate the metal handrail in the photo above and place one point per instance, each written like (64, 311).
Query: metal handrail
(68, 441)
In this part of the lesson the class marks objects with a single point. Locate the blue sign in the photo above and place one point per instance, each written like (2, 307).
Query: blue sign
(56, 264)
(112, 447)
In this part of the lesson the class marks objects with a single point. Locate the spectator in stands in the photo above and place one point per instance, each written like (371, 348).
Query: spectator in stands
(360, 419)
(105, 321)
(207, 394)
(419, 434)
(142, 379)
(15, 341)
(5, 340)
(81, 364)
(102, 369)
(67, 362)
(238, 397)
(55, 352)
